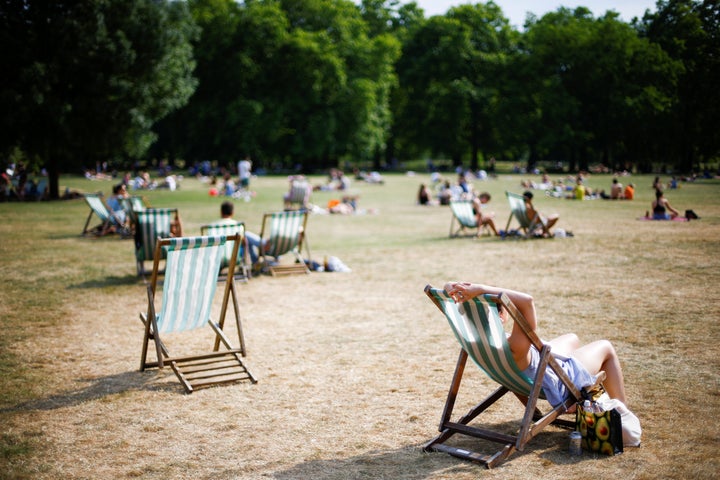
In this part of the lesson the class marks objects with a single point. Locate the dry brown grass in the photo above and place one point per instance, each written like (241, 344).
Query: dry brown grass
(353, 368)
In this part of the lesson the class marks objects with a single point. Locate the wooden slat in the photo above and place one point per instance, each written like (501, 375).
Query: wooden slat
(210, 369)
(288, 269)
(481, 433)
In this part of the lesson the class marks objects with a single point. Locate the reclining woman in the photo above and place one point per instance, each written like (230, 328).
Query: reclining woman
(581, 363)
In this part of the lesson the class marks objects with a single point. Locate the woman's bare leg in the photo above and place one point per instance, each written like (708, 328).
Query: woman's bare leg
(565, 344)
(601, 355)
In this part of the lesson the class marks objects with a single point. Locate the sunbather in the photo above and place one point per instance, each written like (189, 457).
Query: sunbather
(581, 363)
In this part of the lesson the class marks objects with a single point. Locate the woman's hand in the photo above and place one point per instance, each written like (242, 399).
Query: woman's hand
(460, 291)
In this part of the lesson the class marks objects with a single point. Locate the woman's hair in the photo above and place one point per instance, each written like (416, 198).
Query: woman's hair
(658, 193)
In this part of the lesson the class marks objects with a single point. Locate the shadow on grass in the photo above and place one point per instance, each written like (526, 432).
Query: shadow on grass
(399, 464)
(113, 281)
(98, 388)
(412, 462)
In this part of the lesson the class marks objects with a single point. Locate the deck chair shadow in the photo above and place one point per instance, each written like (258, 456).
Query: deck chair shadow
(152, 223)
(464, 220)
(298, 197)
(108, 218)
(188, 294)
(479, 330)
(518, 210)
(242, 265)
(283, 233)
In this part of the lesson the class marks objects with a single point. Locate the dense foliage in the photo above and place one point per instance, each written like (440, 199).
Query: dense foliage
(308, 84)
(86, 81)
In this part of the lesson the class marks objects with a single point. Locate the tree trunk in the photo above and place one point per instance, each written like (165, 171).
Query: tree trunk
(53, 176)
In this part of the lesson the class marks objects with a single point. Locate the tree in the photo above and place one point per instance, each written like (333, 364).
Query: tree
(292, 83)
(450, 77)
(600, 84)
(86, 80)
(689, 31)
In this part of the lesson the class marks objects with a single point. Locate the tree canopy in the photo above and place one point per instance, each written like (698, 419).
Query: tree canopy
(86, 81)
(309, 84)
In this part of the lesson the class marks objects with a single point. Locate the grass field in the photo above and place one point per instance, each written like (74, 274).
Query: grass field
(353, 368)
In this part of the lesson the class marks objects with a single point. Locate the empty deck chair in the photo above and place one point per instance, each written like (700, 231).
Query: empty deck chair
(243, 267)
(283, 233)
(132, 205)
(108, 218)
(188, 294)
(152, 223)
(478, 328)
(298, 197)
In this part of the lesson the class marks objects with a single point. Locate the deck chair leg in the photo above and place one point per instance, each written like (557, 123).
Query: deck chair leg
(238, 321)
(507, 225)
(525, 433)
(448, 428)
(87, 222)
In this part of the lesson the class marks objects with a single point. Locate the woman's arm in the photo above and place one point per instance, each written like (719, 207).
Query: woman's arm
(671, 209)
(464, 291)
(518, 340)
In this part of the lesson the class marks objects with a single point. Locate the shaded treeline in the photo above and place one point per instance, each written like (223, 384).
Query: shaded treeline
(309, 84)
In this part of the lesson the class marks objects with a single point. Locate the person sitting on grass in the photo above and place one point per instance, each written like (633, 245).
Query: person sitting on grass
(661, 207)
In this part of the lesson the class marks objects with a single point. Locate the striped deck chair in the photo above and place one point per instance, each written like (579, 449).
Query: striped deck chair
(479, 330)
(188, 294)
(464, 216)
(298, 197)
(519, 212)
(284, 232)
(152, 223)
(232, 228)
(107, 217)
(132, 205)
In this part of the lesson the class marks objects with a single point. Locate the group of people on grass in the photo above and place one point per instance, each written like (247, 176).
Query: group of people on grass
(577, 188)
(661, 209)
(483, 218)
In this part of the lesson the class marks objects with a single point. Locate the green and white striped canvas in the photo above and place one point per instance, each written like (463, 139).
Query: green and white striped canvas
(463, 211)
(96, 203)
(299, 193)
(191, 275)
(153, 223)
(285, 231)
(227, 229)
(478, 327)
(137, 204)
(519, 211)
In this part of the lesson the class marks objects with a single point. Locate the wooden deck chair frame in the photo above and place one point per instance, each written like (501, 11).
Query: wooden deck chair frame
(512, 380)
(519, 212)
(243, 266)
(298, 197)
(464, 220)
(185, 308)
(282, 233)
(153, 223)
(108, 218)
